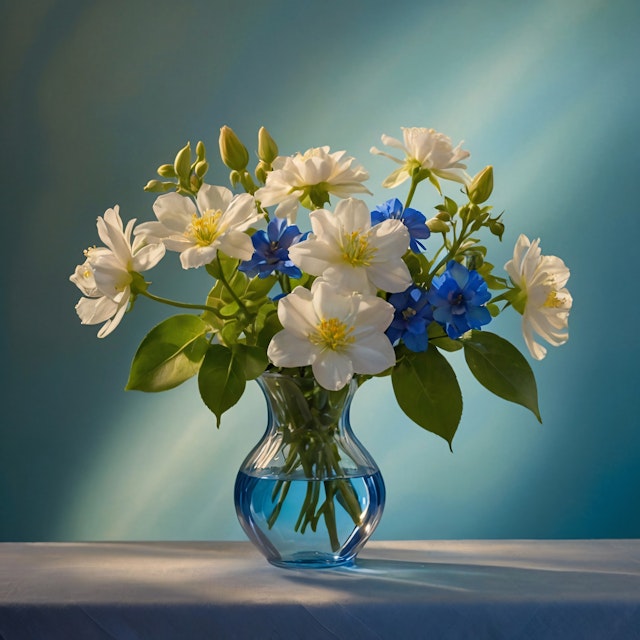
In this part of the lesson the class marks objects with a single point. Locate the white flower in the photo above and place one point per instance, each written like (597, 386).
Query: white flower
(338, 333)
(345, 249)
(543, 300)
(218, 223)
(105, 276)
(426, 149)
(309, 178)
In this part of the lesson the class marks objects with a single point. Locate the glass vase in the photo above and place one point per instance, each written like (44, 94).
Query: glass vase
(309, 494)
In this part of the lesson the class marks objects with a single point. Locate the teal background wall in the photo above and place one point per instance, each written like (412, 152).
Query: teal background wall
(96, 95)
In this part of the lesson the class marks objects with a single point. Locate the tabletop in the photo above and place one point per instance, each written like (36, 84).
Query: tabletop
(511, 589)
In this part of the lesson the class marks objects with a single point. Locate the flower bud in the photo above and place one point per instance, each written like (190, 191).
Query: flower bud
(233, 153)
(182, 163)
(267, 148)
(202, 166)
(443, 215)
(261, 171)
(166, 171)
(481, 186)
(201, 152)
(437, 226)
(497, 228)
(155, 186)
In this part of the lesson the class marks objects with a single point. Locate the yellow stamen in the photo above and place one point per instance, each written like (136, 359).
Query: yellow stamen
(553, 300)
(332, 334)
(356, 250)
(205, 229)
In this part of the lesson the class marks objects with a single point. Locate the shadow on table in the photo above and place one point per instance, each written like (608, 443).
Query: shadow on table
(479, 581)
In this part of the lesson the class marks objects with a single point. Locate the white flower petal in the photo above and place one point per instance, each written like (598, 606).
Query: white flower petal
(313, 256)
(393, 277)
(330, 302)
(196, 256)
(287, 349)
(213, 198)
(110, 325)
(148, 256)
(236, 244)
(354, 216)
(95, 310)
(332, 370)
(174, 211)
(241, 213)
(288, 209)
(372, 354)
(297, 313)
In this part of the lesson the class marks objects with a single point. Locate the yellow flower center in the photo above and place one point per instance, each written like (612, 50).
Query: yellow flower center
(553, 300)
(204, 229)
(332, 334)
(356, 250)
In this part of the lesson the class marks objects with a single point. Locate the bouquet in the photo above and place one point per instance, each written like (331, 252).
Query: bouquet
(348, 292)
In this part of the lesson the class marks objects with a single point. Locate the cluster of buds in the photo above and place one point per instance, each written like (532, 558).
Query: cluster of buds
(235, 155)
(185, 176)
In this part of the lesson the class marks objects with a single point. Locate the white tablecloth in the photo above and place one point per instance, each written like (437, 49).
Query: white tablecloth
(401, 590)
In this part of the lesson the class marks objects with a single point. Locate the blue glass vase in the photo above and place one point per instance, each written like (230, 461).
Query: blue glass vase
(309, 494)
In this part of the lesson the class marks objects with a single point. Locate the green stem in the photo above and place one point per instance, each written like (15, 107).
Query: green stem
(182, 305)
(455, 245)
(412, 190)
(227, 286)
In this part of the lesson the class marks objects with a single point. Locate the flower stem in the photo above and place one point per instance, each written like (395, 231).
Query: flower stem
(412, 190)
(182, 305)
(227, 286)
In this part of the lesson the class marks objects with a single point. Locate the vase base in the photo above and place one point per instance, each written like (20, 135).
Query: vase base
(312, 561)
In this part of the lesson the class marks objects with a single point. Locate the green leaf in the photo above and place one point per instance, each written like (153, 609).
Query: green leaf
(270, 327)
(502, 369)
(221, 379)
(169, 354)
(439, 338)
(427, 391)
(254, 359)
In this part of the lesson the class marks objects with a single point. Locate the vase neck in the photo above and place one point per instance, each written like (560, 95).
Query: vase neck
(301, 403)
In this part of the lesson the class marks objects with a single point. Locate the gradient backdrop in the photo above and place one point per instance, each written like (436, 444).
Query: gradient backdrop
(96, 95)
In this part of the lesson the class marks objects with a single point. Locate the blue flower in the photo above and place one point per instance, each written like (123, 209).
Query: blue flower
(415, 222)
(271, 250)
(411, 318)
(458, 297)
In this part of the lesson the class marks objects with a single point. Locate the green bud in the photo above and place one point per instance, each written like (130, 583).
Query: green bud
(202, 166)
(201, 152)
(267, 148)
(437, 226)
(261, 171)
(155, 186)
(233, 153)
(497, 228)
(166, 171)
(443, 215)
(481, 186)
(182, 164)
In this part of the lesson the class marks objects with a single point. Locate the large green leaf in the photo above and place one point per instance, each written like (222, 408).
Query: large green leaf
(253, 359)
(169, 354)
(427, 390)
(221, 379)
(502, 369)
